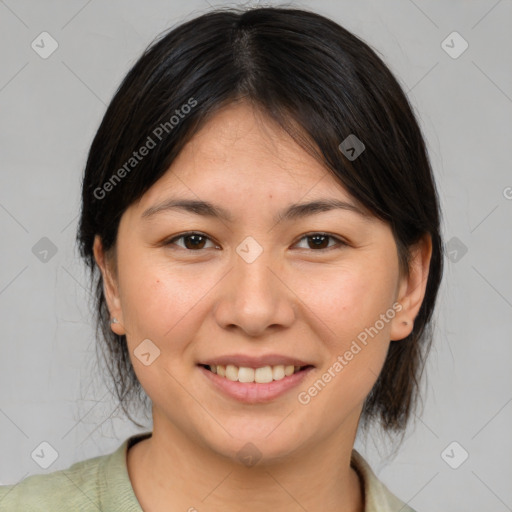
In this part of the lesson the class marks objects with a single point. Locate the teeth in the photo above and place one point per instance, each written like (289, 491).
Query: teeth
(278, 372)
(260, 375)
(245, 374)
(231, 372)
(288, 370)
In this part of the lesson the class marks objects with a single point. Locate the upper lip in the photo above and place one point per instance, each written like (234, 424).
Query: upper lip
(255, 361)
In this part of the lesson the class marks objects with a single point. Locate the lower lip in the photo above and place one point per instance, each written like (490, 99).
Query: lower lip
(253, 392)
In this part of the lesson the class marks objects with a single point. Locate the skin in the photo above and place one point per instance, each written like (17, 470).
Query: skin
(294, 299)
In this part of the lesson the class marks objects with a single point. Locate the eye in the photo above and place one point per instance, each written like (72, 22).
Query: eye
(193, 240)
(196, 241)
(319, 240)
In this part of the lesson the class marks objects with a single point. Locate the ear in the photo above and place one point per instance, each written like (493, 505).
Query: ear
(110, 287)
(411, 289)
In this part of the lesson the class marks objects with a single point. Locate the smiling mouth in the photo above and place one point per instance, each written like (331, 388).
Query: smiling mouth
(261, 375)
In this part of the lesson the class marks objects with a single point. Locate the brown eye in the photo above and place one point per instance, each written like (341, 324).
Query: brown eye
(196, 241)
(192, 241)
(320, 241)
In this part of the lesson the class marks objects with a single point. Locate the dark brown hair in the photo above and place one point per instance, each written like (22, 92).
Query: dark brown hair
(321, 83)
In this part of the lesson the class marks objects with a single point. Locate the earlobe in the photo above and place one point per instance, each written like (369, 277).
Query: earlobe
(110, 288)
(412, 289)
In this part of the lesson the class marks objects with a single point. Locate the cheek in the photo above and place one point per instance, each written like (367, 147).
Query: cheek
(160, 306)
(347, 300)
(347, 305)
(362, 321)
(161, 303)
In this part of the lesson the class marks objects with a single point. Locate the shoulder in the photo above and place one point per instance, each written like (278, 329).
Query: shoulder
(65, 488)
(378, 498)
(90, 484)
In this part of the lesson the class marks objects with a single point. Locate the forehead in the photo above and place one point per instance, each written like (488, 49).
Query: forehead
(240, 153)
(246, 140)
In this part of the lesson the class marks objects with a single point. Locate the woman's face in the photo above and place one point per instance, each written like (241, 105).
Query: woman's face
(253, 291)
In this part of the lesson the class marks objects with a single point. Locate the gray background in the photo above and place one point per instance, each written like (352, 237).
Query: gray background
(50, 388)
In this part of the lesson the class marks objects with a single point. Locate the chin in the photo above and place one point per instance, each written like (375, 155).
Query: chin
(256, 440)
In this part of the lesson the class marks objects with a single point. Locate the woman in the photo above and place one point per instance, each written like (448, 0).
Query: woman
(263, 231)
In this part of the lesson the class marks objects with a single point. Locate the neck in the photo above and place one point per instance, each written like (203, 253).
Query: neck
(164, 471)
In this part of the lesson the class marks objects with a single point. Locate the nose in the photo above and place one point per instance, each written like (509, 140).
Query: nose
(254, 297)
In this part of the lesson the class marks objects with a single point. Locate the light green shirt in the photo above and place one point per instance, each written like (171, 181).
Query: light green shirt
(102, 484)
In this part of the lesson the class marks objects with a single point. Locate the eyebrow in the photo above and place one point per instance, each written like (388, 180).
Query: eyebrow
(292, 212)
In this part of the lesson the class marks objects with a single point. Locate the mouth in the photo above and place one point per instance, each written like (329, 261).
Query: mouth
(257, 382)
(261, 375)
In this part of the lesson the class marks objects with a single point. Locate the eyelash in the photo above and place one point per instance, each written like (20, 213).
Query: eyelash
(340, 243)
